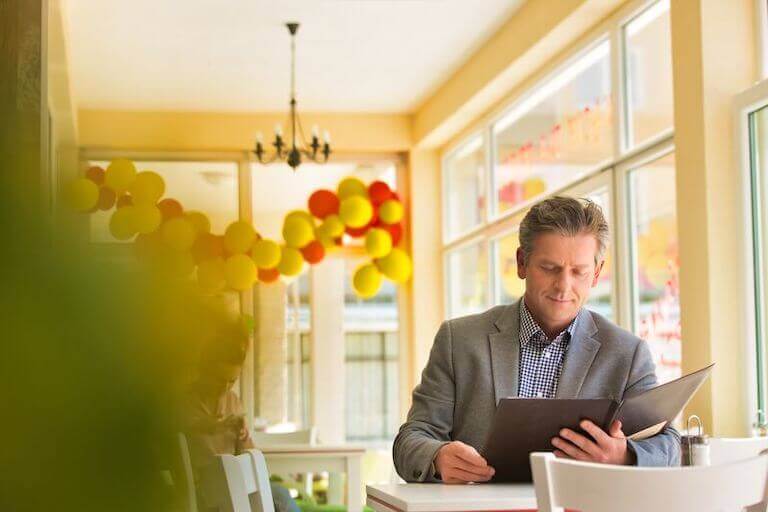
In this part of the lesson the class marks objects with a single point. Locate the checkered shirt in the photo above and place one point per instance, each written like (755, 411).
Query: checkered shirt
(541, 360)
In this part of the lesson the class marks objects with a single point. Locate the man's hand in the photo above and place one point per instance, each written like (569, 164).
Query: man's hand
(459, 463)
(604, 447)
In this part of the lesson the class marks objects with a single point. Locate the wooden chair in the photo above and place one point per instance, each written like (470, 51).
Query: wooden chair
(723, 450)
(241, 487)
(588, 487)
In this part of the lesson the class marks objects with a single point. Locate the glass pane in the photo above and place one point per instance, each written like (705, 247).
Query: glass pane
(297, 328)
(758, 124)
(465, 188)
(468, 280)
(208, 187)
(648, 68)
(557, 134)
(655, 254)
(600, 296)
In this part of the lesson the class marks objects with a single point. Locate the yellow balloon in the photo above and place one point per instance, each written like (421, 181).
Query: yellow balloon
(352, 187)
(366, 281)
(378, 243)
(533, 187)
(179, 234)
(239, 237)
(121, 223)
(396, 265)
(240, 272)
(301, 214)
(174, 263)
(329, 243)
(332, 226)
(291, 261)
(266, 253)
(146, 218)
(147, 188)
(120, 174)
(210, 275)
(199, 221)
(356, 211)
(297, 232)
(82, 195)
(391, 211)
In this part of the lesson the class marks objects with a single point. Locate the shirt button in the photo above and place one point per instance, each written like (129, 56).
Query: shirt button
(417, 474)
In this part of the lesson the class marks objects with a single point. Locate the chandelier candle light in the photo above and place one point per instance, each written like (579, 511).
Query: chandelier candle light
(314, 151)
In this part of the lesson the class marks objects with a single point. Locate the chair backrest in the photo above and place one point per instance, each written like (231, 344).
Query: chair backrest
(239, 490)
(591, 487)
(307, 436)
(723, 450)
(187, 477)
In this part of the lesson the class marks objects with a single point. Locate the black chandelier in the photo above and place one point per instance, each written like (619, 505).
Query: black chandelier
(314, 151)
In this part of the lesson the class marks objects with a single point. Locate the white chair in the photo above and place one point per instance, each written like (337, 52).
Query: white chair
(189, 492)
(307, 436)
(240, 486)
(723, 450)
(588, 487)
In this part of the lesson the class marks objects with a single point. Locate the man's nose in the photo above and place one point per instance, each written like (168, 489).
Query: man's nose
(562, 282)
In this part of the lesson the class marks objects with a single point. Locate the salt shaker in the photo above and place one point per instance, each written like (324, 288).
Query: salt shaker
(695, 448)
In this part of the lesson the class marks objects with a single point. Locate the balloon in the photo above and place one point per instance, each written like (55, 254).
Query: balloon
(395, 231)
(352, 187)
(82, 195)
(379, 192)
(174, 263)
(210, 275)
(391, 211)
(240, 272)
(291, 261)
(208, 247)
(356, 211)
(95, 174)
(356, 232)
(323, 203)
(239, 237)
(266, 254)
(170, 208)
(199, 221)
(533, 187)
(148, 246)
(107, 199)
(378, 243)
(332, 226)
(147, 188)
(366, 281)
(120, 174)
(396, 266)
(124, 200)
(328, 242)
(297, 232)
(268, 275)
(314, 252)
(179, 234)
(146, 218)
(121, 223)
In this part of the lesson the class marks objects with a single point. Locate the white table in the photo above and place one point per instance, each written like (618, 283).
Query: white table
(451, 498)
(335, 459)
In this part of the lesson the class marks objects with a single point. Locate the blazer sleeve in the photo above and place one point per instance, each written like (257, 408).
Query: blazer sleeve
(663, 449)
(430, 419)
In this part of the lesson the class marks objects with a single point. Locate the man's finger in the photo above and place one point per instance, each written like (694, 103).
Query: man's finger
(586, 445)
(596, 432)
(570, 450)
(615, 430)
(469, 454)
(484, 471)
(466, 476)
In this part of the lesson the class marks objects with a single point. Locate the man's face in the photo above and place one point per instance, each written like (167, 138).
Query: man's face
(558, 276)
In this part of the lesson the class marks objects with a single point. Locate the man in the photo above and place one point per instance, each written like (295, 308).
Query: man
(214, 416)
(544, 345)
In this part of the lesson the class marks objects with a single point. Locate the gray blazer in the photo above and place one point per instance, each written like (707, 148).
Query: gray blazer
(474, 363)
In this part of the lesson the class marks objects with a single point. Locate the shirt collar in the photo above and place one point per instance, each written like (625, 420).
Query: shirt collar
(529, 328)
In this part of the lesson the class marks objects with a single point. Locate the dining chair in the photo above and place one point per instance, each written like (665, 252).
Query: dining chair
(241, 487)
(724, 449)
(590, 487)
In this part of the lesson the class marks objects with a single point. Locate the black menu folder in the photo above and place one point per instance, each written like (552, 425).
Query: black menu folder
(525, 425)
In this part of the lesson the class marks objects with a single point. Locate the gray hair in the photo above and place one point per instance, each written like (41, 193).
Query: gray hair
(565, 216)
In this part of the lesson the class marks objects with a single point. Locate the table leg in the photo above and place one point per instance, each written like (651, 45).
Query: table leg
(354, 485)
(335, 489)
(308, 486)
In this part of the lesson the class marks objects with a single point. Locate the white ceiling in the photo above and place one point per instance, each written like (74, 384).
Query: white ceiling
(234, 55)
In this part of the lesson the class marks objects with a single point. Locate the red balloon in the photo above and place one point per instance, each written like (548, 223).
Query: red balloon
(207, 247)
(356, 232)
(124, 200)
(268, 275)
(395, 231)
(170, 208)
(323, 203)
(314, 252)
(95, 174)
(106, 198)
(379, 192)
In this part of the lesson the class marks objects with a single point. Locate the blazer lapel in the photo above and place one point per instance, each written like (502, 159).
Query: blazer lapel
(581, 353)
(505, 353)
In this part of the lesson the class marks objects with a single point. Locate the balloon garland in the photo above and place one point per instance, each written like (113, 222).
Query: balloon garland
(180, 242)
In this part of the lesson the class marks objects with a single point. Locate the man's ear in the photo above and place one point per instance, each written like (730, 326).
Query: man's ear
(598, 269)
(520, 263)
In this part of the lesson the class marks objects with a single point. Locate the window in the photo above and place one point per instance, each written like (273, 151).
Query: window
(297, 328)
(467, 269)
(465, 178)
(656, 298)
(556, 134)
(648, 69)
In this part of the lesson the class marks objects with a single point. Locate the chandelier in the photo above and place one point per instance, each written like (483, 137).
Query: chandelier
(299, 148)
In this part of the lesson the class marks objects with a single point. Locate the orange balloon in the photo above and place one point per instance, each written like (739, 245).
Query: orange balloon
(314, 252)
(95, 174)
(207, 247)
(268, 275)
(170, 208)
(124, 200)
(323, 203)
(107, 198)
(379, 192)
